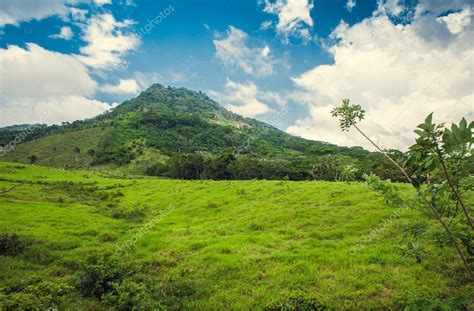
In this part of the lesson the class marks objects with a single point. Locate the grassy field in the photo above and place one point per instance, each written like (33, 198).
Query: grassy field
(218, 245)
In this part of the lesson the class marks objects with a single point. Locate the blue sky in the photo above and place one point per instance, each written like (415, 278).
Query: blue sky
(286, 62)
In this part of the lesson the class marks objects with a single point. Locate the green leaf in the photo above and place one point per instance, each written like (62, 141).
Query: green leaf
(429, 118)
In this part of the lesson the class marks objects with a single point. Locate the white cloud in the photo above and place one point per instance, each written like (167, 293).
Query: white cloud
(102, 2)
(438, 7)
(350, 4)
(107, 42)
(456, 22)
(34, 79)
(398, 73)
(390, 7)
(65, 33)
(124, 86)
(294, 18)
(246, 99)
(16, 11)
(78, 14)
(266, 25)
(266, 51)
(54, 110)
(233, 51)
(37, 72)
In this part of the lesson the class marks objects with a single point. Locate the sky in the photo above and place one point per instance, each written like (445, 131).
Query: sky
(285, 62)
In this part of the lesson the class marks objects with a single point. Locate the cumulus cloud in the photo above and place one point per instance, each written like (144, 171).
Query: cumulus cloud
(37, 72)
(398, 73)
(107, 42)
(247, 99)
(54, 110)
(294, 18)
(34, 78)
(456, 22)
(65, 33)
(124, 86)
(233, 51)
(16, 11)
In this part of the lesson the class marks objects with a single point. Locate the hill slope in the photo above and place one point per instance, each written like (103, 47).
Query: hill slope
(218, 245)
(163, 122)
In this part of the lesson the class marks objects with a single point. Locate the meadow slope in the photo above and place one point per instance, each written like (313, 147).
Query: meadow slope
(225, 244)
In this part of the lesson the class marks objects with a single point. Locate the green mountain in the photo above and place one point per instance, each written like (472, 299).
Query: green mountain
(169, 131)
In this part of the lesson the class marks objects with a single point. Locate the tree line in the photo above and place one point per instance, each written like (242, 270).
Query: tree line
(229, 166)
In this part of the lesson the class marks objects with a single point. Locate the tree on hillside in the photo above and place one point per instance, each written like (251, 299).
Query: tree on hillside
(186, 166)
(219, 167)
(434, 147)
(32, 158)
(77, 151)
(334, 168)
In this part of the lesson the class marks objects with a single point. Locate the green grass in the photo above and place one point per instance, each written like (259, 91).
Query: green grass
(57, 150)
(227, 244)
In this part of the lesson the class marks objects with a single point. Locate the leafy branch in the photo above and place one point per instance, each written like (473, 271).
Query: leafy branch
(349, 115)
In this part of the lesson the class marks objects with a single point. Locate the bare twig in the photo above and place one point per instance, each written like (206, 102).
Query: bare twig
(9, 189)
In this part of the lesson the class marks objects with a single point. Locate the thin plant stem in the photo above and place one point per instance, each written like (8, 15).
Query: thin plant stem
(456, 193)
(428, 203)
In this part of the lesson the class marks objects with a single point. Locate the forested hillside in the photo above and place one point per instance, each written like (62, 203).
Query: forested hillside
(179, 133)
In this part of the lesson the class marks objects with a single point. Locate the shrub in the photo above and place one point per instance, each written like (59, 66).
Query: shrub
(438, 236)
(423, 301)
(174, 290)
(130, 295)
(20, 301)
(135, 214)
(11, 245)
(414, 229)
(42, 296)
(49, 293)
(97, 274)
(391, 193)
(414, 250)
(296, 301)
